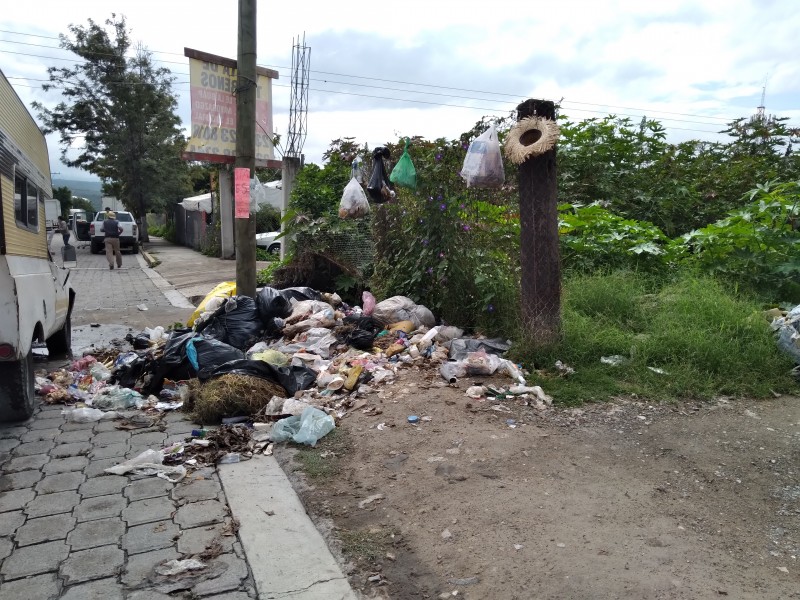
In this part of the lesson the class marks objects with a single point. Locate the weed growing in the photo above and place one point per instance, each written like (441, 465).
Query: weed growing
(687, 337)
(323, 460)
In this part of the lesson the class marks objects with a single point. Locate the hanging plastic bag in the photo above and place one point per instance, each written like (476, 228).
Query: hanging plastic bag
(354, 201)
(404, 174)
(483, 165)
(379, 188)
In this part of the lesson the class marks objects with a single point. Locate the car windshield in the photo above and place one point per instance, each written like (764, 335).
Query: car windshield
(121, 217)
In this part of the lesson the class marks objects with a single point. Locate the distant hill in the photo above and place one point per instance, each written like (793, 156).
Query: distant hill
(91, 190)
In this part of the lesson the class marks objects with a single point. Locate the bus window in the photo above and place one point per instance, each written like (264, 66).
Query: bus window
(26, 205)
(33, 207)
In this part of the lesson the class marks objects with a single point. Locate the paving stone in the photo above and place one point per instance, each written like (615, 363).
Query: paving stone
(97, 467)
(11, 521)
(203, 489)
(140, 566)
(153, 440)
(45, 529)
(8, 432)
(25, 463)
(110, 451)
(100, 486)
(17, 481)
(96, 533)
(71, 449)
(111, 437)
(37, 435)
(197, 514)
(33, 448)
(6, 545)
(152, 487)
(52, 504)
(33, 560)
(32, 588)
(77, 426)
(147, 511)
(102, 589)
(182, 427)
(7, 445)
(194, 541)
(64, 465)
(100, 507)
(149, 595)
(103, 426)
(60, 483)
(95, 563)
(228, 581)
(69, 437)
(52, 423)
(152, 536)
(15, 499)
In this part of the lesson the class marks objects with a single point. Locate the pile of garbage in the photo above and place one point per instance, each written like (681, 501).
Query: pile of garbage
(786, 324)
(294, 358)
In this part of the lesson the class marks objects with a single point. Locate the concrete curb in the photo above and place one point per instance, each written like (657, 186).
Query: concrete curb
(287, 555)
(151, 262)
(175, 298)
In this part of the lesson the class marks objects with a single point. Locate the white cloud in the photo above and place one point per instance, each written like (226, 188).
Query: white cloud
(705, 58)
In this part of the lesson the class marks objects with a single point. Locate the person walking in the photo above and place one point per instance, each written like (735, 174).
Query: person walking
(112, 230)
(63, 229)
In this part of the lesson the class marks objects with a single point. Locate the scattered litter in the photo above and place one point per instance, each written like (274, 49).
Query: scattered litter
(380, 426)
(177, 567)
(563, 369)
(518, 546)
(369, 500)
(413, 419)
(446, 535)
(782, 569)
(149, 462)
(658, 370)
(307, 428)
(475, 391)
(86, 415)
(142, 307)
(614, 360)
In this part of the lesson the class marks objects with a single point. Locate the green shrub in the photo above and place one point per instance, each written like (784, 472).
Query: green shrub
(268, 218)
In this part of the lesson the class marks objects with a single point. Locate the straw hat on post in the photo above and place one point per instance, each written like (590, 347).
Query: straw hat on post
(531, 136)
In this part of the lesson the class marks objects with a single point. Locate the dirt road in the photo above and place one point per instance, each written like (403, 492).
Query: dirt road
(619, 500)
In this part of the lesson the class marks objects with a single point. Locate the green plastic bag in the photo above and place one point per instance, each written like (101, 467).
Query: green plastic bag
(404, 174)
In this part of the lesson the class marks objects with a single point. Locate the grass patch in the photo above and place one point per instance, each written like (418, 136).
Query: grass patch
(708, 341)
(367, 545)
(324, 460)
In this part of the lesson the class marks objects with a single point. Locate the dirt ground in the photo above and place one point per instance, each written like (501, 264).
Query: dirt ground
(617, 500)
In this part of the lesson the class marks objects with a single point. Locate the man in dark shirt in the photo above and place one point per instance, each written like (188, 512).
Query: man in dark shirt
(112, 230)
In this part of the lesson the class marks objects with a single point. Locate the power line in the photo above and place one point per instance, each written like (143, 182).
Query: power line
(485, 92)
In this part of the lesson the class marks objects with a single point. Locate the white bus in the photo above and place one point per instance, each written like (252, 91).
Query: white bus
(36, 298)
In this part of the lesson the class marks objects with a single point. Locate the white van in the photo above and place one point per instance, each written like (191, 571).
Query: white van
(35, 297)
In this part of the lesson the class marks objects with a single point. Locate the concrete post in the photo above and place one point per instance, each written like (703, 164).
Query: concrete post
(291, 165)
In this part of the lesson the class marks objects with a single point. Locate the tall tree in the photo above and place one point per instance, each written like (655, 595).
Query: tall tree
(64, 195)
(119, 111)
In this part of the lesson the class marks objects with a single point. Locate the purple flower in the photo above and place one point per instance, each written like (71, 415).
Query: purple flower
(443, 207)
(430, 271)
(439, 197)
(441, 254)
(425, 242)
(466, 227)
(464, 145)
(438, 156)
(462, 206)
(490, 308)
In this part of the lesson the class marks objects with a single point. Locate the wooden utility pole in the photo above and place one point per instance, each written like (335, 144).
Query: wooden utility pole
(538, 214)
(245, 229)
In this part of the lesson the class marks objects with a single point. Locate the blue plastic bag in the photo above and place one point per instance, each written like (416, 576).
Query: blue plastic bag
(308, 428)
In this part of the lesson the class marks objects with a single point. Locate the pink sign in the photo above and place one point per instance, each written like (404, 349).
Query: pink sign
(241, 192)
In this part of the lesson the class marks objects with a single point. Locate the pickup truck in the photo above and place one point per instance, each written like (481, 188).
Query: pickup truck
(128, 239)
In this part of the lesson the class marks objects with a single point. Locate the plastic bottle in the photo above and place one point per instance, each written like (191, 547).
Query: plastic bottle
(452, 370)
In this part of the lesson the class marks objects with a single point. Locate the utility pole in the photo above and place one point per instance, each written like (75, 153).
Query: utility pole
(245, 229)
(538, 215)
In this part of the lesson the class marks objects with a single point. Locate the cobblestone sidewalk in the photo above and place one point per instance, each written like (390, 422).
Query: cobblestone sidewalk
(68, 530)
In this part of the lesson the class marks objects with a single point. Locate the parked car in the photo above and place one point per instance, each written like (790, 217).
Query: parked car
(36, 298)
(268, 241)
(128, 239)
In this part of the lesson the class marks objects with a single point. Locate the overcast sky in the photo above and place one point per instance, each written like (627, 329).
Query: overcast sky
(380, 70)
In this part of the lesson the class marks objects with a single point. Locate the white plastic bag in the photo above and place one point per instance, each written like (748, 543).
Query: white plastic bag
(354, 201)
(483, 165)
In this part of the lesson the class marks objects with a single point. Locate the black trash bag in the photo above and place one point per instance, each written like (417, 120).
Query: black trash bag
(235, 323)
(300, 294)
(365, 323)
(128, 375)
(140, 342)
(379, 186)
(173, 363)
(208, 353)
(360, 339)
(459, 348)
(271, 304)
(292, 379)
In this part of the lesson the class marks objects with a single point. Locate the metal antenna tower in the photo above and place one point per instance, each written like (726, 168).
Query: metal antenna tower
(762, 107)
(298, 100)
